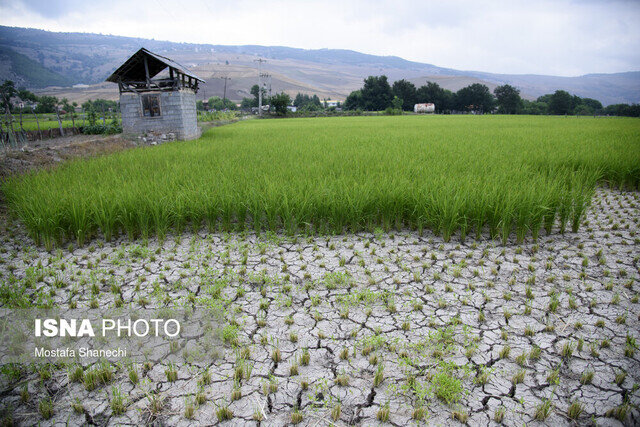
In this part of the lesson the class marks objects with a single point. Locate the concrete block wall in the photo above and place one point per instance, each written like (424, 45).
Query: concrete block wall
(178, 114)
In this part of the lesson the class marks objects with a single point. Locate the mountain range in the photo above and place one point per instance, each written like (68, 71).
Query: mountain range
(75, 65)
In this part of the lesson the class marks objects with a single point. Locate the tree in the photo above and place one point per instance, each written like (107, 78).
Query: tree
(534, 107)
(300, 100)
(583, 110)
(47, 104)
(545, 98)
(306, 102)
(561, 102)
(475, 97)
(448, 101)
(508, 99)
(406, 91)
(65, 105)
(354, 101)
(219, 104)
(100, 105)
(433, 93)
(396, 103)
(627, 110)
(280, 102)
(246, 103)
(255, 91)
(593, 104)
(376, 93)
(26, 95)
(7, 91)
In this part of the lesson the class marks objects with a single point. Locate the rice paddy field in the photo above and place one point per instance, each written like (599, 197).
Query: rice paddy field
(46, 121)
(465, 174)
(413, 270)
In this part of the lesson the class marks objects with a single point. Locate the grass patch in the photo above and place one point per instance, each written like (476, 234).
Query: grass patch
(445, 385)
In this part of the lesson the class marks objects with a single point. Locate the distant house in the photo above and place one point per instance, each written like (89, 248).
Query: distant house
(150, 104)
(328, 103)
(424, 108)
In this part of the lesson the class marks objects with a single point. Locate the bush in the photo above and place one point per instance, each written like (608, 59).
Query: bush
(392, 112)
(217, 116)
(100, 129)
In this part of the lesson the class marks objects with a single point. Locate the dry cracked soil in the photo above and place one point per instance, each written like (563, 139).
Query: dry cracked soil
(362, 329)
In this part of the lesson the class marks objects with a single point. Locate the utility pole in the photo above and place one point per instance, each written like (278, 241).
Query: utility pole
(266, 81)
(268, 77)
(260, 61)
(224, 96)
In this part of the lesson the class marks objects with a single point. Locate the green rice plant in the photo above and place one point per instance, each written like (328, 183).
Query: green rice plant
(575, 410)
(331, 175)
(419, 413)
(445, 385)
(518, 377)
(379, 377)
(24, 394)
(117, 402)
(189, 409)
(342, 380)
(77, 406)
(45, 407)
(543, 410)
(383, 413)
(171, 373)
(460, 416)
(504, 352)
(76, 374)
(223, 413)
(133, 375)
(101, 373)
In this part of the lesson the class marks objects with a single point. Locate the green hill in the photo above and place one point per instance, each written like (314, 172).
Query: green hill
(27, 72)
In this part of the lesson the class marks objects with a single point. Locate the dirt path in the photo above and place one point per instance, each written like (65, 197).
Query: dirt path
(48, 153)
(51, 152)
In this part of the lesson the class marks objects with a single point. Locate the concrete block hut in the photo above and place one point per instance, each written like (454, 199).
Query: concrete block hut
(161, 105)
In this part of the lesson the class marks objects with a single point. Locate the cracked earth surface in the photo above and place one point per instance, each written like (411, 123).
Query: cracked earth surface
(362, 329)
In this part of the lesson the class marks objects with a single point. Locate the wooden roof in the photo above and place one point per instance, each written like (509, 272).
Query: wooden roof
(133, 68)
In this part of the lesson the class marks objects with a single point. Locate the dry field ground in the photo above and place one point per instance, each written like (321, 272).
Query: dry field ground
(357, 329)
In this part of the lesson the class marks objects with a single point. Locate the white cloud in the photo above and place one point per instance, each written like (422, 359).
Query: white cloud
(543, 37)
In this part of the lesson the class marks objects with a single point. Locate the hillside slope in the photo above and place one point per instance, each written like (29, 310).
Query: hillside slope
(64, 59)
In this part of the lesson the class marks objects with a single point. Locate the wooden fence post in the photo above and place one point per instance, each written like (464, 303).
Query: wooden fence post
(22, 132)
(37, 123)
(11, 136)
(59, 121)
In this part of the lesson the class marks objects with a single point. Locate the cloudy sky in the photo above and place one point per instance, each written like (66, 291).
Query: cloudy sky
(559, 37)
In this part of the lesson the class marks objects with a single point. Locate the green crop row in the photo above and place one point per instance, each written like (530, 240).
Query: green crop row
(451, 174)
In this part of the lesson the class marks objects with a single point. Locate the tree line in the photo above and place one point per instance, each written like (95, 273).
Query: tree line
(377, 95)
(46, 104)
(217, 103)
(303, 102)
